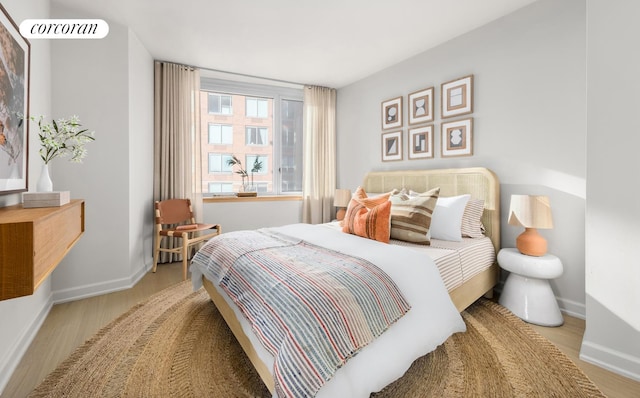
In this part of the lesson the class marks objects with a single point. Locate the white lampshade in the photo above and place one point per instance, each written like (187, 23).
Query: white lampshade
(530, 211)
(342, 198)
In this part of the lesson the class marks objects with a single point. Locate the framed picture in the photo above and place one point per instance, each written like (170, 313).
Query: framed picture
(392, 146)
(421, 142)
(14, 106)
(392, 113)
(457, 138)
(457, 97)
(421, 106)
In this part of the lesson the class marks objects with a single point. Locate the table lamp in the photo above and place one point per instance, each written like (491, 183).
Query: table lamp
(531, 212)
(341, 201)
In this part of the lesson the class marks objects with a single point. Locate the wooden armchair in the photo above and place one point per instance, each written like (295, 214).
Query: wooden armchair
(174, 218)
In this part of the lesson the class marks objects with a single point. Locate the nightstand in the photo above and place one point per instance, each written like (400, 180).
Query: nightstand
(527, 292)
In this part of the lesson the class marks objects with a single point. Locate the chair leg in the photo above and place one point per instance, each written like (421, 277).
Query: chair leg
(156, 252)
(185, 257)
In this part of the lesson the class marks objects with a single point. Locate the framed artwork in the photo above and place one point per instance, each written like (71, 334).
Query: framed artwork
(421, 142)
(456, 97)
(421, 106)
(14, 106)
(392, 146)
(457, 138)
(392, 113)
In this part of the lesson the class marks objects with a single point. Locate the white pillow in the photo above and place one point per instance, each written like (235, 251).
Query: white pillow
(446, 221)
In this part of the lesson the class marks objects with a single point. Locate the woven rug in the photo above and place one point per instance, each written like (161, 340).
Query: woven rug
(176, 344)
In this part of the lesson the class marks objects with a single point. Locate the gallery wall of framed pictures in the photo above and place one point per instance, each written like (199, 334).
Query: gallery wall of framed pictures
(456, 125)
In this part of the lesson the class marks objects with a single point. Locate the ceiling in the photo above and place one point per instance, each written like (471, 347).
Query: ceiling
(324, 42)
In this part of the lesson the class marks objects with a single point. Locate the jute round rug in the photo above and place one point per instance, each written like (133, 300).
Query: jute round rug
(176, 344)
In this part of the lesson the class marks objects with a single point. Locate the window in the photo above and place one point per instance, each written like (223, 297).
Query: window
(262, 187)
(291, 146)
(218, 163)
(270, 130)
(256, 136)
(219, 104)
(260, 166)
(220, 187)
(220, 134)
(257, 107)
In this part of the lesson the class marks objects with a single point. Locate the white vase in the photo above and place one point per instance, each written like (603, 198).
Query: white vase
(44, 183)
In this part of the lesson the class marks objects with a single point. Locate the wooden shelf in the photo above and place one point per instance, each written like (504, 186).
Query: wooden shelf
(33, 242)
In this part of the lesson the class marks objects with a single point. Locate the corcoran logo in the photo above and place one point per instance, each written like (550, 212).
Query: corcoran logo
(64, 28)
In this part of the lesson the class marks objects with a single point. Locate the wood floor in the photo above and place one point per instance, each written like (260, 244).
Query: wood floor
(69, 325)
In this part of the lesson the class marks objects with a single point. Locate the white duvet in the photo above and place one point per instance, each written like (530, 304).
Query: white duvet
(431, 320)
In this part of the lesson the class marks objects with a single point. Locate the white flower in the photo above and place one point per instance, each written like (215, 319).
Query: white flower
(64, 137)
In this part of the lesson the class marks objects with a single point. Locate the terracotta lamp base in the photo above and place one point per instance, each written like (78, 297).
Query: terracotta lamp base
(531, 243)
(341, 213)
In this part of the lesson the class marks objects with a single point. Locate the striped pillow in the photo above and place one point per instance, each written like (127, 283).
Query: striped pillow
(472, 219)
(373, 201)
(368, 222)
(411, 216)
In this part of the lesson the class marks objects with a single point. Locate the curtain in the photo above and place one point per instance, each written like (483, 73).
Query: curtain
(177, 161)
(319, 172)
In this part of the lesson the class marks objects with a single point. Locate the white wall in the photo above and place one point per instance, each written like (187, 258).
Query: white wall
(612, 336)
(21, 317)
(529, 120)
(108, 83)
(90, 80)
(140, 156)
(236, 216)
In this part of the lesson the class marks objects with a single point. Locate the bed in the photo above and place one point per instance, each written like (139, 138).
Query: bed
(369, 370)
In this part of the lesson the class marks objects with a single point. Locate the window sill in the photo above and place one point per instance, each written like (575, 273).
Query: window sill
(265, 198)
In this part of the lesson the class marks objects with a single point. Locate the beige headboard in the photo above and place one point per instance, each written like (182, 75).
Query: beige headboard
(480, 183)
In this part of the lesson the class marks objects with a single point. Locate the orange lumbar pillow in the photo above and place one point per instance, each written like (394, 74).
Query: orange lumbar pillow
(368, 222)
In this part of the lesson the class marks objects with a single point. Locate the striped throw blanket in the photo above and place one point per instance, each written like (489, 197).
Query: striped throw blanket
(311, 307)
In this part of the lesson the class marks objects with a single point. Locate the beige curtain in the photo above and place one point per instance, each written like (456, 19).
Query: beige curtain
(177, 161)
(319, 174)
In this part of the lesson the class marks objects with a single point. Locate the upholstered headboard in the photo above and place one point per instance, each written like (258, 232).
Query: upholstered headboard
(480, 183)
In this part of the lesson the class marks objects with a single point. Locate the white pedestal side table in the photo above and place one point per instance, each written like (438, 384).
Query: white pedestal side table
(527, 292)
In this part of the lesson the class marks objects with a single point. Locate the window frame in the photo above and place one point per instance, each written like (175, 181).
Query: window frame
(222, 164)
(222, 125)
(221, 183)
(220, 95)
(258, 100)
(278, 93)
(257, 128)
(249, 162)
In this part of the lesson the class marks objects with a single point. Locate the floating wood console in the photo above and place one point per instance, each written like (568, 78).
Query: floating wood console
(32, 243)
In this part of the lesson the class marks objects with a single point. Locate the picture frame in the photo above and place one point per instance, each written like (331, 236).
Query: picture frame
(421, 106)
(391, 146)
(456, 97)
(14, 107)
(457, 138)
(421, 142)
(392, 113)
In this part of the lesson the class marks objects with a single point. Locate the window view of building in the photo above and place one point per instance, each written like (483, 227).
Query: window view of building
(291, 146)
(263, 133)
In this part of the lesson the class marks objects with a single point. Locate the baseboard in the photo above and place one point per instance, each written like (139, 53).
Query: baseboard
(9, 364)
(98, 289)
(573, 308)
(612, 360)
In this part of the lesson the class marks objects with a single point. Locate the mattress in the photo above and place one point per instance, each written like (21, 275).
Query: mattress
(457, 262)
